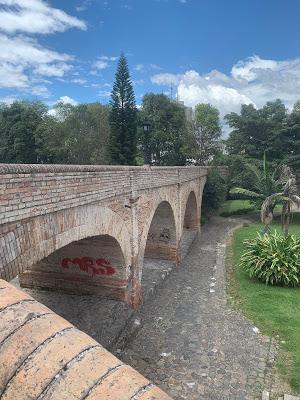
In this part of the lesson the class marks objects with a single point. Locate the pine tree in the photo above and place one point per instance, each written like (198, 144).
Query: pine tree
(123, 118)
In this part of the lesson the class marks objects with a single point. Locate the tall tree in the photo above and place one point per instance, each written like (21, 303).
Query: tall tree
(207, 133)
(168, 129)
(75, 134)
(254, 130)
(123, 118)
(18, 124)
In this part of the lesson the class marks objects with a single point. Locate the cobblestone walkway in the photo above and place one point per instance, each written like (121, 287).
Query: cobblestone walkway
(184, 338)
(190, 343)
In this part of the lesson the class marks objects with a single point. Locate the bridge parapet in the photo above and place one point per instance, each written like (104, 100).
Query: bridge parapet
(43, 356)
(31, 190)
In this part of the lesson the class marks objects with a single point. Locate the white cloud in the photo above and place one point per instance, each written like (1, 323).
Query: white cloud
(23, 61)
(8, 99)
(67, 100)
(108, 58)
(103, 62)
(139, 67)
(79, 81)
(35, 16)
(251, 81)
(165, 79)
(100, 64)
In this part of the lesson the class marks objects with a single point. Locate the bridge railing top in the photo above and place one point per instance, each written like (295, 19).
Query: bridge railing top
(57, 168)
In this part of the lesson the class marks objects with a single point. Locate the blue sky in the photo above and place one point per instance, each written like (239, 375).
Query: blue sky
(222, 52)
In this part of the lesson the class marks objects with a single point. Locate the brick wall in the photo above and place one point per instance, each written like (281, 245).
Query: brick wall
(31, 190)
(90, 266)
(46, 207)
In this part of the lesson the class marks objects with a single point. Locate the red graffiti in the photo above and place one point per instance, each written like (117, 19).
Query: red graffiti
(88, 264)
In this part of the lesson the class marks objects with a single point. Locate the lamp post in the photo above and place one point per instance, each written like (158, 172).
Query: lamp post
(147, 154)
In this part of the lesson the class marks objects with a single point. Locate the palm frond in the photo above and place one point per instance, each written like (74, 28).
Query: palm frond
(245, 193)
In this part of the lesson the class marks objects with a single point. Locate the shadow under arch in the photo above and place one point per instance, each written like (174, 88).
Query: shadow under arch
(191, 214)
(89, 247)
(190, 223)
(158, 246)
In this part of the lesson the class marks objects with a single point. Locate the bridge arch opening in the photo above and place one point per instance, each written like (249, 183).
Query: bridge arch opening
(94, 265)
(191, 223)
(161, 249)
(191, 217)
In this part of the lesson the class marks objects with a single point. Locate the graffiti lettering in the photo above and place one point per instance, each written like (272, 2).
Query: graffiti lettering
(90, 265)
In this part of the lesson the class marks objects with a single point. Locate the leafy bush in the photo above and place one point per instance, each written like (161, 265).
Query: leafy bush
(214, 192)
(273, 258)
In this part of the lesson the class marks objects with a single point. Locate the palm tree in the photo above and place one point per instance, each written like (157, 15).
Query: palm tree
(271, 191)
(288, 196)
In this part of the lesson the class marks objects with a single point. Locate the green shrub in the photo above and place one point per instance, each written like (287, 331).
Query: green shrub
(273, 258)
(214, 192)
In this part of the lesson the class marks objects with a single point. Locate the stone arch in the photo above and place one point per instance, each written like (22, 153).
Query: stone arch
(161, 199)
(161, 238)
(191, 214)
(159, 241)
(86, 225)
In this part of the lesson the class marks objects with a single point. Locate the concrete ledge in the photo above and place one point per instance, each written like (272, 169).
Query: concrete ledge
(43, 356)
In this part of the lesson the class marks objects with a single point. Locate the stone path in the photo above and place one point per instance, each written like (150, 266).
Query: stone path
(190, 343)
(184, 338)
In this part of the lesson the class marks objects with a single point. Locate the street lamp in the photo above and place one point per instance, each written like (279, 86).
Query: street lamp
(147, 154)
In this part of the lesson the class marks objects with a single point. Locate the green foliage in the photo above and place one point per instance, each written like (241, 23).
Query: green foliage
(264, 183)
(271, 129)
(214, 192)
(18, 125)
(75, 135)
(169, 135)
(123, 118)
(236, 207)
(275, 310)
(273, 258)
(207, 133)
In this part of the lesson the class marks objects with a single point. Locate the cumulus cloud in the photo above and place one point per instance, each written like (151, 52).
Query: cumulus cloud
(251, 81)
(24, 63)
(67, 100)
(100, 64)
(35, 16)
(23, 60)
(166, 79)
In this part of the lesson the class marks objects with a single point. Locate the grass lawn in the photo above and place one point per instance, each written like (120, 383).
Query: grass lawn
(275, 310)
(236, 207)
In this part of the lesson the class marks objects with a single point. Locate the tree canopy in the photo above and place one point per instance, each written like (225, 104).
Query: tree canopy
(168, 129)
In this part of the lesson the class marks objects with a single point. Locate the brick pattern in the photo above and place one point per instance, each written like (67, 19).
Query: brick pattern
(77, 366)
(31, 190)
(44, 208)
(90, 266)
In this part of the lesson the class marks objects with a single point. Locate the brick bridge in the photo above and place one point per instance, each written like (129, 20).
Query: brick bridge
(87, 229)
(84, 230)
